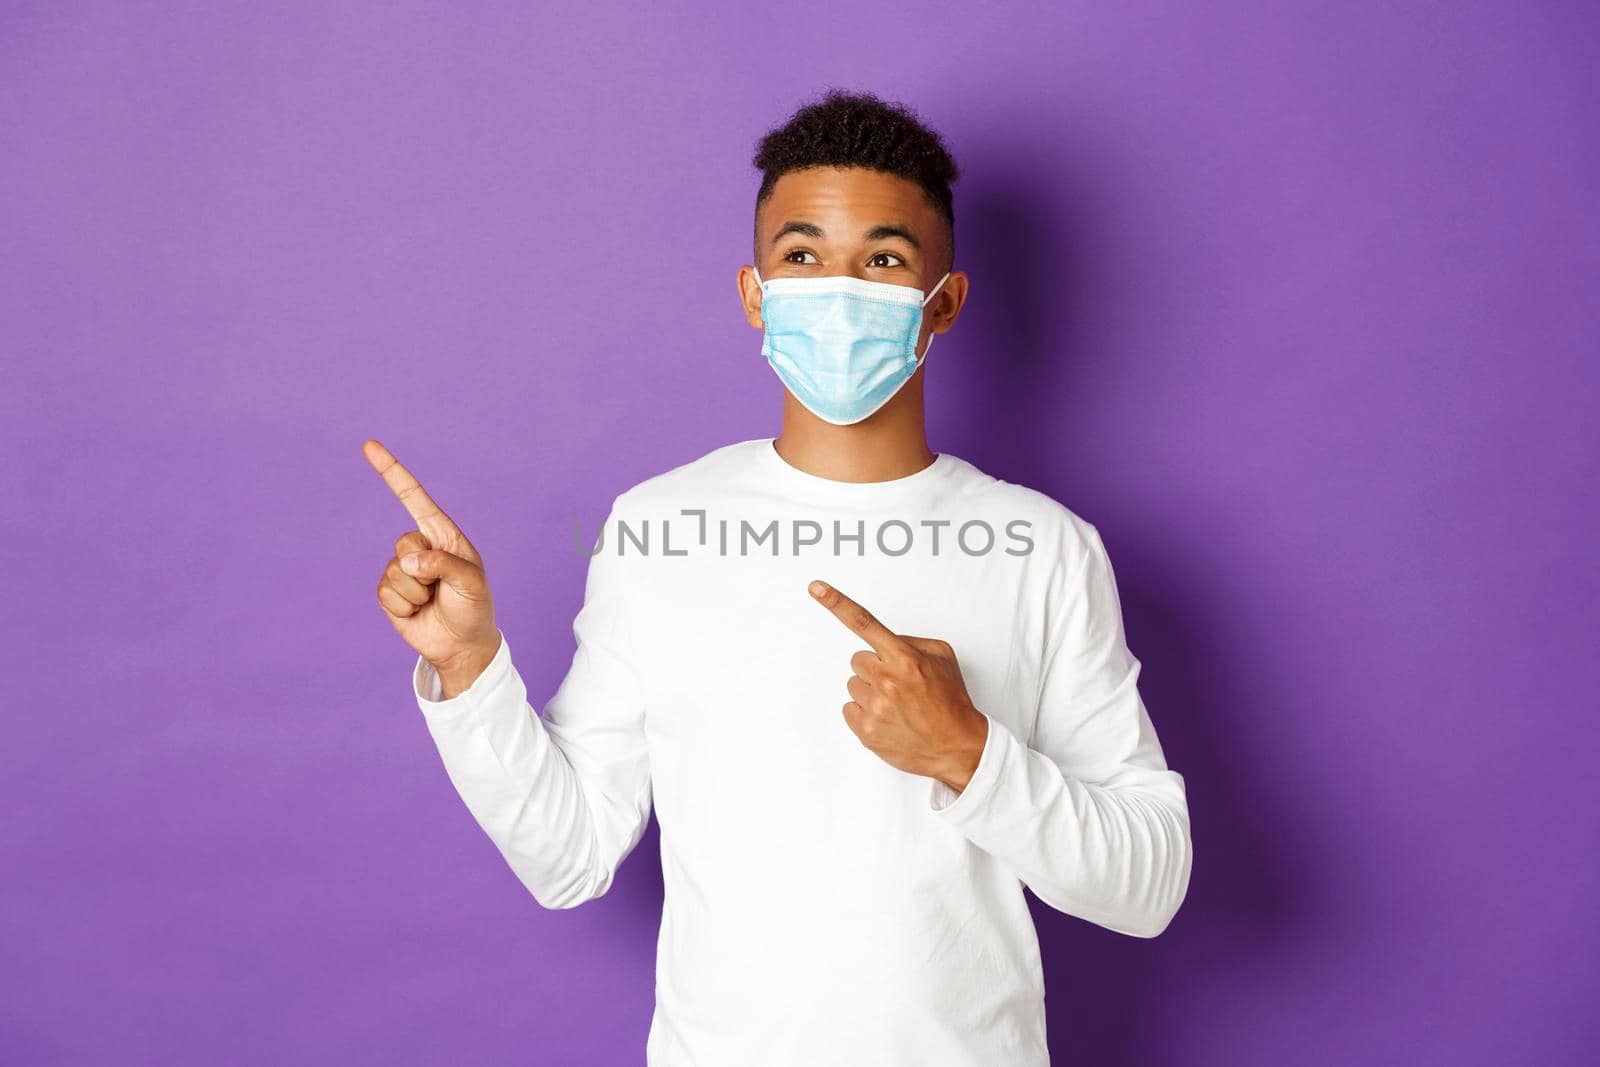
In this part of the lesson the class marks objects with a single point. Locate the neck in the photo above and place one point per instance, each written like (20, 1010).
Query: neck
(892, 443)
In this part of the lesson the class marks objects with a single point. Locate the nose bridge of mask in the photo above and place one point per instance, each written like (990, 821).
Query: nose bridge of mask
(835, 277)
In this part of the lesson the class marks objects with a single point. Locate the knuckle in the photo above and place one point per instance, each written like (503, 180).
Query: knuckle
(392, 602)
(410, 541)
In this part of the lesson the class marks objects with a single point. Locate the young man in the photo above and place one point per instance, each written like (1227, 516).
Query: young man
(871, 691)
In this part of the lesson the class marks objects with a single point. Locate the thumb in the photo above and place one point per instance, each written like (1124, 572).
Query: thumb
(465, 578)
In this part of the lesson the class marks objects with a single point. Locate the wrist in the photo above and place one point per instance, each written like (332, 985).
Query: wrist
(964, 761)
(457, 674)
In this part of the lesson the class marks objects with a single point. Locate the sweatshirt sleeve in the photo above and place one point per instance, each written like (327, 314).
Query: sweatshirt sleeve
(564, 798)
(1086, 812)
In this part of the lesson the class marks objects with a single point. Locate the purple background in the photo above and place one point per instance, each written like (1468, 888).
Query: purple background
(1298, 306)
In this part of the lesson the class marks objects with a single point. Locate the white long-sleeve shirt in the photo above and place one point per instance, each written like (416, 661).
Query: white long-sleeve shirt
(822, 906)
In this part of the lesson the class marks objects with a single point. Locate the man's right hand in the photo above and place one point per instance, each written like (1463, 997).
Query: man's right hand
(433, 588)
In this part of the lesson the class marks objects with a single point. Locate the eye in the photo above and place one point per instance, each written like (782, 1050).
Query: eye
(796, 252)
(889, 255)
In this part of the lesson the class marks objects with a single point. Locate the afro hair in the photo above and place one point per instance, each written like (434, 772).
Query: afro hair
(857, 129)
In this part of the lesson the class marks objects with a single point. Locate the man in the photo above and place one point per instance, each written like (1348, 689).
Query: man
(871, 691)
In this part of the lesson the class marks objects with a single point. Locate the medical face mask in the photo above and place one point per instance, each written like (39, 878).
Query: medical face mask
(843, 346)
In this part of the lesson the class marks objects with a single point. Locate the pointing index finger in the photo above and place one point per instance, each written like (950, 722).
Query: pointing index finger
(406, 488)
(864, 624)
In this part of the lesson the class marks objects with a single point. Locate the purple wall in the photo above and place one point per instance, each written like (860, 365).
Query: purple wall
(1299, 307)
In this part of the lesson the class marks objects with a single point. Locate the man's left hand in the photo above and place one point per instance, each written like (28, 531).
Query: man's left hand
(908, 702)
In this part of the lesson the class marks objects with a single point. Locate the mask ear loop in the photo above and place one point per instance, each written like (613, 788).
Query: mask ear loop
(931, 336)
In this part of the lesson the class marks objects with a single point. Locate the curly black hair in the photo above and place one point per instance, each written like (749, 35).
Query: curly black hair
(857, 129)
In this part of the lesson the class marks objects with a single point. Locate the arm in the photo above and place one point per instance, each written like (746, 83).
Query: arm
(1088, 815)
(564, 798)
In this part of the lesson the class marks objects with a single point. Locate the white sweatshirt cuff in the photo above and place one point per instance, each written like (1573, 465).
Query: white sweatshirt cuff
(958, 808)
(429, 690)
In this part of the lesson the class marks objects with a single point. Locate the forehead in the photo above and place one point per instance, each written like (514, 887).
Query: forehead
(854, 198)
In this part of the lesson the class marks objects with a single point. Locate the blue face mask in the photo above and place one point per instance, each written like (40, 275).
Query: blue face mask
(842, 345)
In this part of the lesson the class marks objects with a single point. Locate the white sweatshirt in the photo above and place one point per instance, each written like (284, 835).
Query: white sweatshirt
(822, 906)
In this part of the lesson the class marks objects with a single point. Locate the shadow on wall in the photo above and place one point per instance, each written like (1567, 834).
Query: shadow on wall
(1016, 405)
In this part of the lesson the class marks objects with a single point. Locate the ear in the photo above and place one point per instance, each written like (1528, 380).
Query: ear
(941, 312)
(750, 295)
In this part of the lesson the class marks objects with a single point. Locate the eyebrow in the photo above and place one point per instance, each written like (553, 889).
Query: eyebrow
(877, 233)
